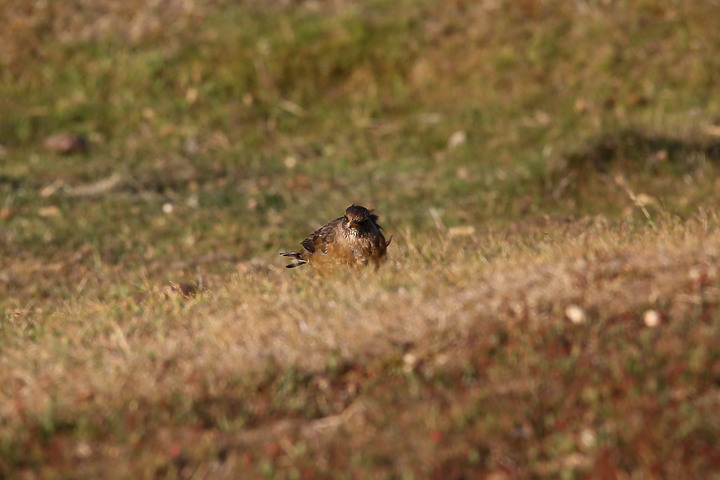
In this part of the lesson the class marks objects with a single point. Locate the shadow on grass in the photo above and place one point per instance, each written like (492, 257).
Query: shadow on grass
(634, 150)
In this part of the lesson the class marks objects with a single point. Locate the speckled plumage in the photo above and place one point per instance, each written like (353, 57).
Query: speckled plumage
(354, 239)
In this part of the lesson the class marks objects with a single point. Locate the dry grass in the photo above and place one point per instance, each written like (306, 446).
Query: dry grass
(549, 171)
(291, 372)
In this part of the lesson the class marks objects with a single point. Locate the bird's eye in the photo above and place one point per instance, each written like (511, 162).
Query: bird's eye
(345, 219)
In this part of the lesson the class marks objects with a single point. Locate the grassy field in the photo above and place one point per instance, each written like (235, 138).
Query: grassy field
(549, 171)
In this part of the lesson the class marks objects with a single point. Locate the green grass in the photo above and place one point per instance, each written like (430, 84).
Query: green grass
(529, 158)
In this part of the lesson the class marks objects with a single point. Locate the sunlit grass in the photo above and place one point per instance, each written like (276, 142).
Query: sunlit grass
(265, 344)
(549, 173)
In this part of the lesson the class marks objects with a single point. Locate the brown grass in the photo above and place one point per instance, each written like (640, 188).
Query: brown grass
(458, 356)
(549, 171)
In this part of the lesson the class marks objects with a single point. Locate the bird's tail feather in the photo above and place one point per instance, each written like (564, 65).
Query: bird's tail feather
(296, 255)
(296, 263)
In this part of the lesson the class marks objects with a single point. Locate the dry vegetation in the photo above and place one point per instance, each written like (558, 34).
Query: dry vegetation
(548, 169)
(445, 363)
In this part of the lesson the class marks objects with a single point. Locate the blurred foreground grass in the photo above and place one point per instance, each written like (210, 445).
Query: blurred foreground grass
(537, 162)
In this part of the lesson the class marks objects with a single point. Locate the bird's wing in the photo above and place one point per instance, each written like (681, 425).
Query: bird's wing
(308, 243)
(323, 236)
(374, 219)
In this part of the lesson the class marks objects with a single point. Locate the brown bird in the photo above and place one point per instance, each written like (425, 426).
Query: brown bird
(354, 239)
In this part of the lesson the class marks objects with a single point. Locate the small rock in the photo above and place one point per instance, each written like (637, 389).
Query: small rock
(83, 450)
(457, 139)
(66, 143)
(651, 318)
(575, 314)
(410, 361)
(588, 438)
(290, 162)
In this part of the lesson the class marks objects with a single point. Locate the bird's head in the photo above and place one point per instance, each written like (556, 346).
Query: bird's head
(356, 216)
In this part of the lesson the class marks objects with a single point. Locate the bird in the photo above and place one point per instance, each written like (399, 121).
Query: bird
(355, 240)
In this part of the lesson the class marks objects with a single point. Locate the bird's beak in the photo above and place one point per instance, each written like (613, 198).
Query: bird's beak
(353, 224)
